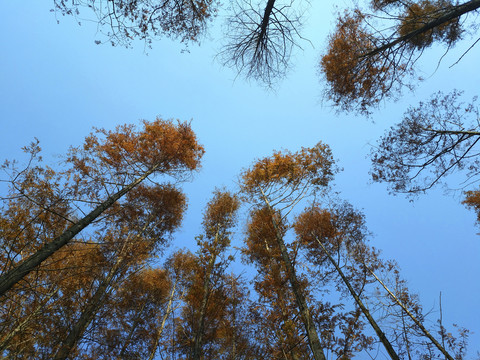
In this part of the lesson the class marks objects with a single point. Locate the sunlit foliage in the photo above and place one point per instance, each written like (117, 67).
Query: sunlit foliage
(371, 54)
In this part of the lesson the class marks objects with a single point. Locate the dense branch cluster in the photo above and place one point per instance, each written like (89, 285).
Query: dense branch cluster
(102, 292)
(122, 21)
(433, 140)
(372, 56)
(259, 40)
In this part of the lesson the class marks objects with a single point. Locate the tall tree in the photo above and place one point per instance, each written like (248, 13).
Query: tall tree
(372, 53)
(86, 275)
(320, 230)
(279, 333)
(277, 184)
(141, 231)
(217, 223)
(102, 172)
(205, 300)
(337, 237)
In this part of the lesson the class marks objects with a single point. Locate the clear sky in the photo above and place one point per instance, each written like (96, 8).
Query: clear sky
(56, 84)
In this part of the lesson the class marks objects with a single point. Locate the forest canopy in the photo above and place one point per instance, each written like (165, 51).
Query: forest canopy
(252, 232)
(97, 291)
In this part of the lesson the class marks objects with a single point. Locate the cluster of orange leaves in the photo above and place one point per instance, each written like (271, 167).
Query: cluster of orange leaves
(423, 12)
(349, 71)
(160, 143)
(309, 164)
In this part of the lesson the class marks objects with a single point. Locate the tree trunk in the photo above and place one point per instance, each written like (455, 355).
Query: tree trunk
(197, 345)
(312, 335)
(88, 314)
(23, 269)
(164, 320)
(413, 317)
(455, 12)
(381, 336)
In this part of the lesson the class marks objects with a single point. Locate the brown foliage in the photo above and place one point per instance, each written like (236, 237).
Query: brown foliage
(122, 21)
(168, 147)
(351, 76)
(419, 14)
(220, 214)
(366, 62)
(472, 200)
(261, 244)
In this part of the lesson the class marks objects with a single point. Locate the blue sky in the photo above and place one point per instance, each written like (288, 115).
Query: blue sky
(56, 84)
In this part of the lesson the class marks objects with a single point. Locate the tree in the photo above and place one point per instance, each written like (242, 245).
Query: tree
(103, 171)
(129, 245)
(259, 40)
(276, 184)
(206, 298)
(435, 139)
(318, 229)
(218, 220)
(338, 237)
(85, 275)
(279, 334)
(371, 56)
(121, 22)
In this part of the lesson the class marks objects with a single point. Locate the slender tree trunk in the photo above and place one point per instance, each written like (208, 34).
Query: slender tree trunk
(414, 318)
(132, 330)
(164, 320)
(264, 25)
(453, 13)
(4, 342)
(197, 345)
(25, 267)
(381, 336)
(312, 335)
(88, 314)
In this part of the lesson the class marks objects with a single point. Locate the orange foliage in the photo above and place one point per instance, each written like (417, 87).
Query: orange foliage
(220, 214)
(261, 244)
(423, 12)
(161, 144)
(472, 200)
(350, 73)
(315, 224)
(162, 206)
(285, 176)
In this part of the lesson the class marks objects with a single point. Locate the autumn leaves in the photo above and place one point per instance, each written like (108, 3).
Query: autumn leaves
(91, 287)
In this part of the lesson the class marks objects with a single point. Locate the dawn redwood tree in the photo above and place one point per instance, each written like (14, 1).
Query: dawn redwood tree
(121, 22)
(278, 333)
(372, 53)
(337, 237)
(433, 140)
(133, 316)
(206, 298)
(281, 333)
(277, 184)
(142, 229)
(319, 230)
(218, 220)
(85, 276)
(108, 166)
(237, 330)
(180, 267)
(260, 38)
